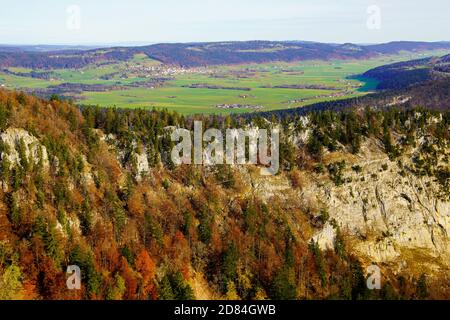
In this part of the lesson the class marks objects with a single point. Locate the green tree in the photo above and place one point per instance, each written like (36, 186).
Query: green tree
(22, 150)
(5, 167)
(320, 264)
(422, 288)
(339, 244)
(152, 229)
(174, 287)
(205, 228)
(388, 292)
(315, 146)
(116, 290)
(229, 262)
(283, 285)
(359, 285)
(86, 217)
(4, 116)
(89, 274)
(10, 283)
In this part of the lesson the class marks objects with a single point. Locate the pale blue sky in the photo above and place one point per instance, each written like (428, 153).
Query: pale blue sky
(148, 21)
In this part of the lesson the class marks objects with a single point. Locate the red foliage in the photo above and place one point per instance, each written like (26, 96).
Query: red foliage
(130, 279)
(147, 268)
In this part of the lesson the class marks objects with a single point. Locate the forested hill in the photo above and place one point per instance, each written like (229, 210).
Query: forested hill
(197, 54)
(95, 188)
(404, 74)
(204, 54)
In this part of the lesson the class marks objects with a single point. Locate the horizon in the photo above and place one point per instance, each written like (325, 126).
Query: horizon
(144, 44)
(83, 22)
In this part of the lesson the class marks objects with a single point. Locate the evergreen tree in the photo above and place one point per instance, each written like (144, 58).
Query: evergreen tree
(283, 285)
(422, 288)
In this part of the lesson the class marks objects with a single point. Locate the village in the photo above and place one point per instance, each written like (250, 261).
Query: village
(321, 96)
(238, 106)
(160, 70)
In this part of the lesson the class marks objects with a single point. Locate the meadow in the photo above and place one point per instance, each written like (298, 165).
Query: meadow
(250, 88)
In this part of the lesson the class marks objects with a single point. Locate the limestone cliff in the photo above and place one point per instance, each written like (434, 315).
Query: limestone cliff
(391, 215)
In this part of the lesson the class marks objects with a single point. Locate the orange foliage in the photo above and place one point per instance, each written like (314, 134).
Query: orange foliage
(52, 281)
(29, 291)
(130, 279)
(147, 268)
(136, 204)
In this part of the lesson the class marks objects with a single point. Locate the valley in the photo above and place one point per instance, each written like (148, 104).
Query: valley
(133, 79)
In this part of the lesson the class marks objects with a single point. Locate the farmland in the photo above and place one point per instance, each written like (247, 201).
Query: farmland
(141, 82)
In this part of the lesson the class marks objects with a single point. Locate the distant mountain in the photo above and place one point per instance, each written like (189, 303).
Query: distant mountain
(205, 54)
(200, 54)
(398, 46)
(196, 54)
(45, 48)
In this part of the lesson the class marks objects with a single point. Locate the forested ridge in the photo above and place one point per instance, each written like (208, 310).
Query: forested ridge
(187, 232)
(405, 74)
(209, 53)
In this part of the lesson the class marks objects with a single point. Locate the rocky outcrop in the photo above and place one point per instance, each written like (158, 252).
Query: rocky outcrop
(326, 237)
(135, 157)
(141, 163)
(34, 151)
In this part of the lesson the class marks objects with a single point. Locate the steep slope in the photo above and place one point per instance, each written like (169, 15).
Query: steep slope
(95, 188)
(404, 74)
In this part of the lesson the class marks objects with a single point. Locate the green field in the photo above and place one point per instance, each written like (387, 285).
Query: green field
(315, 81)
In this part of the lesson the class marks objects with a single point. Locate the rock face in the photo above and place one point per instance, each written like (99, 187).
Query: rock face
(384, 212)
(34, 150)
(142, 165)
(390, 211)
(139, 158)
(326, 237)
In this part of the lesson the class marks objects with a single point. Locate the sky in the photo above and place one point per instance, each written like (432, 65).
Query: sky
(153, 21)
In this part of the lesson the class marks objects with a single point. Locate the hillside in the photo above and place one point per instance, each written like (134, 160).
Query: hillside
(93, 187)
(208, 54)
(266, 51)
(404, 74)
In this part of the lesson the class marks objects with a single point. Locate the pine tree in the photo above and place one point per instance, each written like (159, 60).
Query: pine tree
(422, 288)
(22, 150)
(229, 261)
(320, 265)
(116, 290)
(283, 285)
(10, 283)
